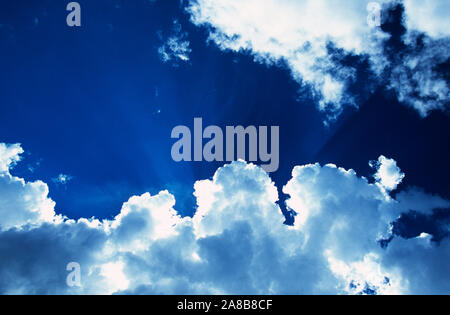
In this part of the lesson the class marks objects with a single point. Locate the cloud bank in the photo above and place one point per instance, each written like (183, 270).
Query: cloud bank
(235, 243)
(312, 39)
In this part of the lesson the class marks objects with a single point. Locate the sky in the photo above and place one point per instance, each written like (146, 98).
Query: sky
(358, 205)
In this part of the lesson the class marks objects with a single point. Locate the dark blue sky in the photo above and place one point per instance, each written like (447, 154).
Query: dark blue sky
(86, 101)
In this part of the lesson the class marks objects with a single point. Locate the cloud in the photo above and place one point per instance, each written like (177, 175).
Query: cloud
(388, 174)
(409, 255)
(21, 202)
(176, 47)
(235, 243)
(415, 78)
(9, 156)
(428, 16)
(311, 38)
(296, 33)
(62, 179)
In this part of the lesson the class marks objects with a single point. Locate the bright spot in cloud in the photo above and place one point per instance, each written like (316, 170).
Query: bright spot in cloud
(116, 279)
(388, 174)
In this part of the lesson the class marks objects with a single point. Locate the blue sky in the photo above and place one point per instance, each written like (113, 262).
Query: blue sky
(96, 91)
(93, 108)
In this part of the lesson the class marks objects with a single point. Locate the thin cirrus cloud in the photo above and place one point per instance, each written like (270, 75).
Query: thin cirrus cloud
(310, 37)
(235, 243)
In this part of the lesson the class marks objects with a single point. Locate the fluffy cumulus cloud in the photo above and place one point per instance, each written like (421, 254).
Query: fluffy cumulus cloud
(9, 155)
(342, 241)
(21, 202)
(388, 174)
(312, 38)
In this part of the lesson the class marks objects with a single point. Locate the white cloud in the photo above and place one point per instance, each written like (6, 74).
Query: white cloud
(216, 198)
(9, 156)
(428, 16)
(298, 33)
(366, 276)
(115, 277)
(235, 243)
(144, 219)
(421, 263)
(62, 179)
(21, 202)
(415, 79)
(388, 174)
(176, 47)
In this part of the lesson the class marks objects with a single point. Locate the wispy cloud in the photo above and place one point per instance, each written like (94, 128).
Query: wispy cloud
(176, 47)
